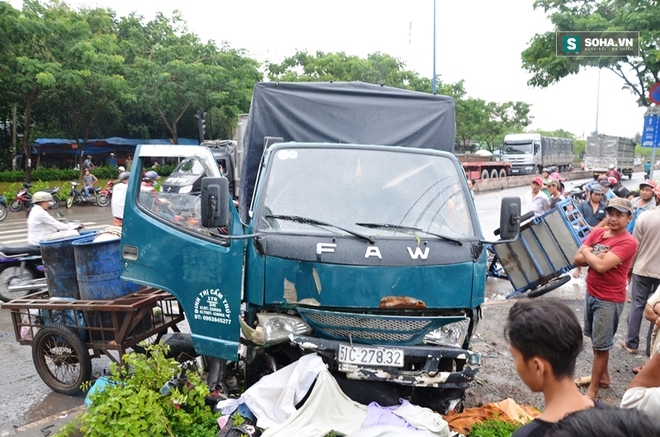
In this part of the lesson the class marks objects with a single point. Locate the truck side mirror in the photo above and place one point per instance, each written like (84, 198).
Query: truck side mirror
(215, 202)
(510, 218)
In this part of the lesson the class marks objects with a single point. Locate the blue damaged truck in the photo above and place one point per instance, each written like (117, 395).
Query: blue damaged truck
(356, 239)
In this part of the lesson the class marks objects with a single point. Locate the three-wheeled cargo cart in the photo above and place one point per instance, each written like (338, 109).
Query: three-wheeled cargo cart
(539, 260)
(62, 332)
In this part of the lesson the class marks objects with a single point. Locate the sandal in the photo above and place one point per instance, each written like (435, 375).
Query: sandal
(584, 381)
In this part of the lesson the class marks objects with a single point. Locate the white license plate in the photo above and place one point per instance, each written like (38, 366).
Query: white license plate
(370, 356)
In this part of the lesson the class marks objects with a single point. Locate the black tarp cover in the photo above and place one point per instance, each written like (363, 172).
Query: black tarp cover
(342, 112)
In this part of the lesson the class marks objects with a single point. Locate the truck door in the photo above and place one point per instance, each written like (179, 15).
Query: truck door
(165, 246)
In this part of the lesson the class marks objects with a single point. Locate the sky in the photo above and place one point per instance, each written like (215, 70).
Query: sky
(468, 46)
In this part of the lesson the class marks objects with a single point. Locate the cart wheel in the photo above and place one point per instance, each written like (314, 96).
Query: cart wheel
(61, 359)
(555, 283)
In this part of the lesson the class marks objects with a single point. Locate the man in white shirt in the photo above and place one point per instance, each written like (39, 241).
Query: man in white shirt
(119, 198)
(40, 223)
(536, 201)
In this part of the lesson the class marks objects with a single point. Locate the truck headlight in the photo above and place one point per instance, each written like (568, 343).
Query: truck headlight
(452, 334)
(275, 328)
(185, 190)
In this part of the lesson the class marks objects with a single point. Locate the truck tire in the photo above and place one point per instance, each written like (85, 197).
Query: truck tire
(502, 173)
(493, 173)
(484, 174)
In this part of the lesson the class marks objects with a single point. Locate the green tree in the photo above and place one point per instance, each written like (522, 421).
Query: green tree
(177, 74)
(94, 98)
(35, 61)
(501, 119)
(377, 68)
(637, 73)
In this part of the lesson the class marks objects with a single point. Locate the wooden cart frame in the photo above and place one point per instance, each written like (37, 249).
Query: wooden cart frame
(62, 332)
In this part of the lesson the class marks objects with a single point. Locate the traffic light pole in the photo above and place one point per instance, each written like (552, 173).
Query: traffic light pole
(201, 124)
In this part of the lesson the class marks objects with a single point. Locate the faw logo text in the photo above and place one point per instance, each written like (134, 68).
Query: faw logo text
(374, 251)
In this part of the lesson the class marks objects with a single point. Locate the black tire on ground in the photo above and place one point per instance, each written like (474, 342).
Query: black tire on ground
(16, 205)
(103, 200)
(3, 211)
(69, 202)
(493, 173)
(485, 174)
(502, 173)
(14, 275)
(61, 359)
(547, 288)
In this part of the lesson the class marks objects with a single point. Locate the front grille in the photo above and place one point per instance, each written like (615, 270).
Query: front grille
(381, 324)
(370, 328)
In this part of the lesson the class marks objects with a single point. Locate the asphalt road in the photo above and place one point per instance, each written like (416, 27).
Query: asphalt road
(26, 399)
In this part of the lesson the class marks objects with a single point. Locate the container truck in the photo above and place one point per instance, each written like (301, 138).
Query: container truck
(602, 151)
(530, 153)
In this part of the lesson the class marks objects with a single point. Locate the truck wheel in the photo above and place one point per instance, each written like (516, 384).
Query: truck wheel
(502, 173)
(61, 359)
(493, 174)
(484, 174)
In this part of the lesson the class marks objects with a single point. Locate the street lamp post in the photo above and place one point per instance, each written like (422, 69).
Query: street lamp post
(434, 80)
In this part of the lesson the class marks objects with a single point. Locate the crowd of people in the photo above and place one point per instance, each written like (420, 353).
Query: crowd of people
(622, 255)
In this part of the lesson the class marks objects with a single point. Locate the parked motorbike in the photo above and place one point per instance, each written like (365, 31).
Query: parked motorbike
(77, 196)
(21, 271)
(3, 207)
(577, 192)
(108, 194)
(23, 198)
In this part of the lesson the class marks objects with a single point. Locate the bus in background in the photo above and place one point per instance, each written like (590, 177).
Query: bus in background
(530, 153)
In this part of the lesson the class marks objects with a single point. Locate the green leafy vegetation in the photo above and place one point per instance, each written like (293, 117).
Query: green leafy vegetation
(132, 404)
(493, 428)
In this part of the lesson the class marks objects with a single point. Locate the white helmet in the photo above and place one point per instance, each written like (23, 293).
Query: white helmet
(121, 168)
(611, 166)
(41, 196)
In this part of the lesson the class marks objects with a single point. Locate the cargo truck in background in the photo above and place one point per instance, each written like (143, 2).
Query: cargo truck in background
(602, 151)
(530, 153)
(356, 239)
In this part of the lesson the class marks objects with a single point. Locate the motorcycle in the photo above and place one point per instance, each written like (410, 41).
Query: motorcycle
(577, 192)
(96, 197)
(3, 207)
(21, 271)
(108, 194)
(23, 198)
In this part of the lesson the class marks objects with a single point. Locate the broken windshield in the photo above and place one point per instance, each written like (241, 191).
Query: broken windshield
(348, 186)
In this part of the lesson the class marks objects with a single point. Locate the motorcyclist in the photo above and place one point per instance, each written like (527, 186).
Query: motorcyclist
(88, 181)
(40, 223)
(613, 172)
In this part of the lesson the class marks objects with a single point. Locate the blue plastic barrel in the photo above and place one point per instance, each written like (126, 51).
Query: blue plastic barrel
(60, 265)
(98, 265)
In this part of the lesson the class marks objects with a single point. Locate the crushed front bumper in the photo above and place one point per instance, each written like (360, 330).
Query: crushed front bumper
(435, 366)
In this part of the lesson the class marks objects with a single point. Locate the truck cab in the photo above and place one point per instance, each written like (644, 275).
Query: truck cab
(369, 255)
